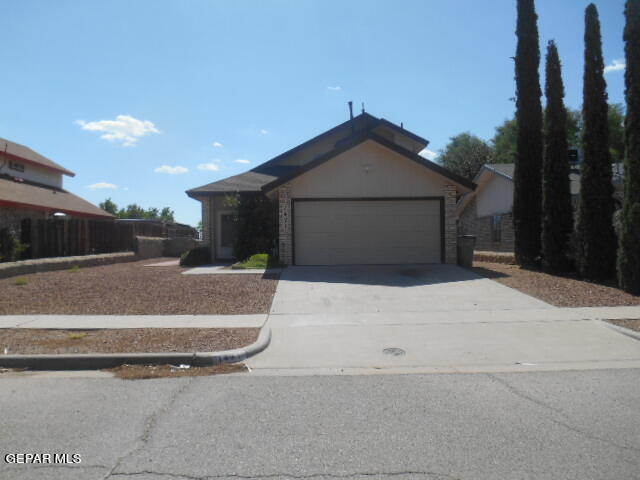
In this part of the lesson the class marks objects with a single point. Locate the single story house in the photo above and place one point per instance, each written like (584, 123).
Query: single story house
(31, 189)
(486, 212)
(359, 193)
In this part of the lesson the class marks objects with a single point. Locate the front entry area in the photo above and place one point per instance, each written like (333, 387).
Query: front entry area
(367, 231)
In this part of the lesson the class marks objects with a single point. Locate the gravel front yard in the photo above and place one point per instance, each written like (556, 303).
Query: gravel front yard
(127, 340)
(556, 290)
(133, 289)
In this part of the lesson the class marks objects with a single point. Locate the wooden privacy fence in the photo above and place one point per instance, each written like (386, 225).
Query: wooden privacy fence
(62, 238)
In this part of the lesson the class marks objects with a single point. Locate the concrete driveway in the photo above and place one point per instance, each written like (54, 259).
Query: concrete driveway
(425, 318)
(392, 289)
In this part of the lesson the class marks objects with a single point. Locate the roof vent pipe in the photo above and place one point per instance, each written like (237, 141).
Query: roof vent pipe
(353, 124)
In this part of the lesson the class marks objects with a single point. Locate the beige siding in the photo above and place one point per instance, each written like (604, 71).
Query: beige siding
(495, 197)
(367, 232)
(35, 173)
(368, 170)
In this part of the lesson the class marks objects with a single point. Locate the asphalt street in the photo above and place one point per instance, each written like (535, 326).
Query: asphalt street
(537, 425)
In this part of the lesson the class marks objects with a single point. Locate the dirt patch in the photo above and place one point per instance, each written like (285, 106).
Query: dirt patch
(126, 340)
(561, 291)
(630, 323)
(133, 289)
(142, 372)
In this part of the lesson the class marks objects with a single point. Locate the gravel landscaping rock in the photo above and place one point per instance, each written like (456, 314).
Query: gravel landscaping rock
(129, 340)
(560, 291)
(133, 289)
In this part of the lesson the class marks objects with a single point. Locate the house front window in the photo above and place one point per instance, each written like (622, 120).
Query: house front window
(496, 228)
(18, 167)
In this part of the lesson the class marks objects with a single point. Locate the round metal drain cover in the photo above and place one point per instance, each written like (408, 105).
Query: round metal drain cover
(396, 352)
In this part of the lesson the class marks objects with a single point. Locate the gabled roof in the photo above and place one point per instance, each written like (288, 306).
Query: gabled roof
(25, 154)
(363, 127)
(355, 140)
(25, 194)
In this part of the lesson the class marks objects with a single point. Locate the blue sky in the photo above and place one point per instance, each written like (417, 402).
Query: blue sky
(145, 99)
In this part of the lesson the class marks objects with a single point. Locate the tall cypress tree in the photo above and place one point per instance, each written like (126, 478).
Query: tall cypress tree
(557, 212)
(629, 253)
(527, 202)
(598, 243)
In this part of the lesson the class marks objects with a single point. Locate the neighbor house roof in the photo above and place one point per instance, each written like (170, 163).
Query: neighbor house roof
(363, 127)
(25, 154)
(24, 194)
(506, 170)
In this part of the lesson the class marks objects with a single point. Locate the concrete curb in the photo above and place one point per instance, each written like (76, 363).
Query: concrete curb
(95, 361)
(624, 331)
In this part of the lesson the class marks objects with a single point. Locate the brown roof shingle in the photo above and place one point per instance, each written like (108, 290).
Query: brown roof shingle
(25, 153)
(48, 199)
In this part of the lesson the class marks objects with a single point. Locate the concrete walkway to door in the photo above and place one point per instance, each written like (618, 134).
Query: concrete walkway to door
(424, 318)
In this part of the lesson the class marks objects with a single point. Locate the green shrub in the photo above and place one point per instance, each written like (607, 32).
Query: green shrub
(74, 269)
(11, 248)
(259, 260)
(21, 281)
(196, 257)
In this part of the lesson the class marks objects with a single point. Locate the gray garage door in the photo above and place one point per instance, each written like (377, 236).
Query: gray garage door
(343, 232)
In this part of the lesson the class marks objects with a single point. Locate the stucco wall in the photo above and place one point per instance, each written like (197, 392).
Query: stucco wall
(495, 197)
(368, 170)
(35, 174)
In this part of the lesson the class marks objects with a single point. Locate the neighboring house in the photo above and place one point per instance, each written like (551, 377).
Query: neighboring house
(357, 194)
(486, 212)
(31, 189)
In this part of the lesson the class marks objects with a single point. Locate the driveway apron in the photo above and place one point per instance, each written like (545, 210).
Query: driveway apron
(425, 318)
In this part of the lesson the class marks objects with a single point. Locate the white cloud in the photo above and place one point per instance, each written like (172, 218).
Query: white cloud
(264, 132)
(335, 89)
(429, 154)
(99, 185)
(124, 128)
(171, 170)
(242, 160)
(616, 65)
(214, 167)
(217, 144)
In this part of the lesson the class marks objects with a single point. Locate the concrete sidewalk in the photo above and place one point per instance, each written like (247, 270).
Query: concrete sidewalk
(488, 341)
(132, 321)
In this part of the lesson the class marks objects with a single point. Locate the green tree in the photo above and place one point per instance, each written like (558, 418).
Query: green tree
(629, 252)
(133, 210)
(557, 213)
(152, 213)
(505, 142)
(616, 132)
(527, 201)
(465, 154)
(256, 225)
(109, 206)
(596, 235)
(166, 215)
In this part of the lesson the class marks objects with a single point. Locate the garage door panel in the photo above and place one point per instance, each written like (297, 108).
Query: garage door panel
(367, 232)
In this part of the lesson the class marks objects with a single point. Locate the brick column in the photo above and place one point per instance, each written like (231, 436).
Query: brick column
(206, 224)
(284, 223)
(450, 230)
